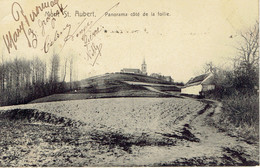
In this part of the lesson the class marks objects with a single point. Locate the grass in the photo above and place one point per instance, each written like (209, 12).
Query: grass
(241, 114)
(242, 109)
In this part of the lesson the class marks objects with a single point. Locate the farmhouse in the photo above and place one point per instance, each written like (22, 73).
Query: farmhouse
(199, 84)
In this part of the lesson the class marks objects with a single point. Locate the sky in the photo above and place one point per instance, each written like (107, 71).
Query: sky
(177, 45)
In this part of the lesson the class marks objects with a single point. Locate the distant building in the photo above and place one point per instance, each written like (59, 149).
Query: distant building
(136, 71)
(199, 84)
(131, 70)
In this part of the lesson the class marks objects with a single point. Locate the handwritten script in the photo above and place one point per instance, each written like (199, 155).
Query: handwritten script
(86, 31)
(11, 38)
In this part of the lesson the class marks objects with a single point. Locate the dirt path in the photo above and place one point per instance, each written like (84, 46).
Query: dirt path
(119, 132)
(214, 146)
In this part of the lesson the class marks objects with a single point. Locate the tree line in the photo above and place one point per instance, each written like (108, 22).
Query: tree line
(23, 80)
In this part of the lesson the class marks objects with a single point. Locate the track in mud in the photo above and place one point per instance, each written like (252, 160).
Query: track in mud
(31, 137)
(32, 116)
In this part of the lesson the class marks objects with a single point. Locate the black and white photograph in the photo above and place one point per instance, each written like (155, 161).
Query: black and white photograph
(117, 83)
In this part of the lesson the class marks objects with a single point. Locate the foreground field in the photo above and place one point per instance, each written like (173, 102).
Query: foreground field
(119, 132)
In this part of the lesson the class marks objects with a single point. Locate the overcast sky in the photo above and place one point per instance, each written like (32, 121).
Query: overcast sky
(178, 45)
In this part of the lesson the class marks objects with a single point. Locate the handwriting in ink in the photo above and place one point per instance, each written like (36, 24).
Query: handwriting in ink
(10, 39)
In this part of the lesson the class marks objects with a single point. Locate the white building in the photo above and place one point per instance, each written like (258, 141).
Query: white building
(198, 84)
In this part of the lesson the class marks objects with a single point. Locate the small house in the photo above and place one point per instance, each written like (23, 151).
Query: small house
(199, 84)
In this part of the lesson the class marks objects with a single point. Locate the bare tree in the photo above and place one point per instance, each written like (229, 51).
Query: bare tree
(2, 73)
(55, 63)
(71, 71)
(54, 74)
(209, 67)
(65, 70)
(247, 62)
(249, 49)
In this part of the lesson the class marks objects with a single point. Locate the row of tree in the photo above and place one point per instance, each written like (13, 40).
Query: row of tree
(23, 80)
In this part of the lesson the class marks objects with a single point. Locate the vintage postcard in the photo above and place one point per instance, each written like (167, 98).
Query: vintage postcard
(129, 83)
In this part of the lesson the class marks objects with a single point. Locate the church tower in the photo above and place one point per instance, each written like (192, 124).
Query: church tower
(144, 68)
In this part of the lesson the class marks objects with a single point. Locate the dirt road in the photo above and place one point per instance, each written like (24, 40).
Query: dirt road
(120, 132)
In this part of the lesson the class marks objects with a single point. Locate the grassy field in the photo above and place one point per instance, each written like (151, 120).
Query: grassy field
(115, 78)
(115, 82)
(113, 85)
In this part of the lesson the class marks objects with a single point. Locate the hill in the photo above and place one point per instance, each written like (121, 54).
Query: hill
(116, 85)
(116, 81)
(123, 77)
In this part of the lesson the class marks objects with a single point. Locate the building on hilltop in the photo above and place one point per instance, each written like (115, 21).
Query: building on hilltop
(143, 70)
